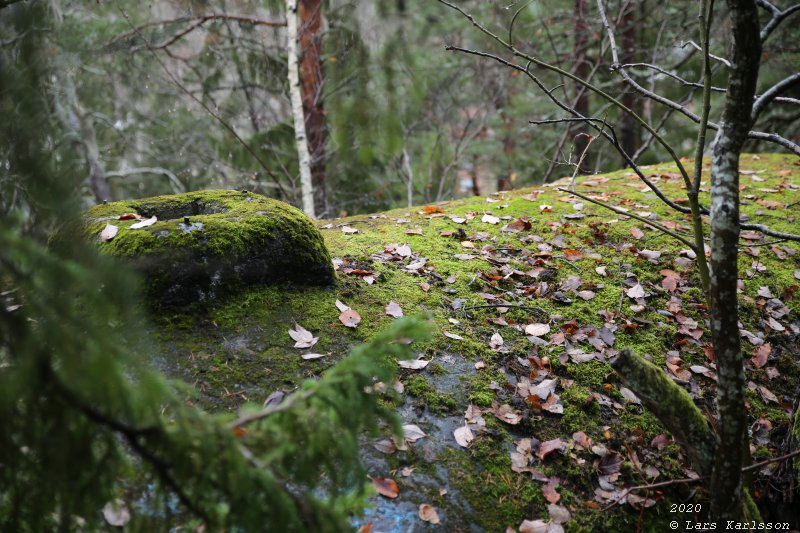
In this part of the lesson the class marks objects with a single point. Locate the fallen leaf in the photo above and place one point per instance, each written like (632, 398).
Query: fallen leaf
(424, 286)
(637, 291)
(549, 492)
(453, 336)
(534, 526)
(428, 513)
(412, 432)
(413, 364)
(393, 309)
(464, 436)
(350, 318)
(308, 356)
(386, 487)
(109, 232)
(550, 446)
(767, 394)
(637, 233)
(348, 230)
(537, 330)
(342, 306)
(144, 223)
(761, 354)
(490, 219)
(302, 337)
(386, 446)
(496, 342)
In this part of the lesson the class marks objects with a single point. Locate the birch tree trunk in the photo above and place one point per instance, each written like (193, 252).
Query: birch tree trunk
(726, 479)
(296, 97)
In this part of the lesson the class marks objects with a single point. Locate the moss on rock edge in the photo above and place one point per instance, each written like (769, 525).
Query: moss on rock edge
(209, 243)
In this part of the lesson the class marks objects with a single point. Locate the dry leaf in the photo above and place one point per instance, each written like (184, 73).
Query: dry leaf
(549, 492)
(413, 364)
(428, 513)
(637, 233)
(537, 330)
(308, 356)
(412, 432)
(453, 336)
(302, 337)
(393, 309)
(386, 487)
(464, 436)
(341, 306)
(109, 232)
(348, 230)
(350, 318)
(144, 223)
(637, 291)
(761, 354)
(490, 219)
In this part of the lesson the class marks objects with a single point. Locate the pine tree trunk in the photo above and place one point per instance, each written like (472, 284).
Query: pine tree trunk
(311, 79)
(630, 131)
(295, 95)
(726, 479)
(582, 68)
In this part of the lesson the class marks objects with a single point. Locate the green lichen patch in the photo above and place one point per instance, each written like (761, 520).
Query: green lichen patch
(209, 243)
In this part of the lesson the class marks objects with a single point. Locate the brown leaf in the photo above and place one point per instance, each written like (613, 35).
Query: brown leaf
(550, 446)
(109, 232)
(431, 209)
(572, 255)
(386, 487)
(549, 491)
(350, 318)
(610, 463)
(637, 233)
(428, 513)
(761, 354)
(393, 309)
(424, 286)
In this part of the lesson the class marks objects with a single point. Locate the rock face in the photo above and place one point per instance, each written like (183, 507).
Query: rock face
(207, 243)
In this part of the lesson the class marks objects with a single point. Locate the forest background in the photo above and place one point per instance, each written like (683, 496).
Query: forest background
(168, 97)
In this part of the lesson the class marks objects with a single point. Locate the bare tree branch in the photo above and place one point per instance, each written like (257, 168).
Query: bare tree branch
(778, 16)
(773, 92)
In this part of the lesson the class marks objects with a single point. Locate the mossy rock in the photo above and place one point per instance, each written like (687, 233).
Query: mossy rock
(209, 243)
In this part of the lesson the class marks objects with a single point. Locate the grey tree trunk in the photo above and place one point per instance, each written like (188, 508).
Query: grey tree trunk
(726, 479)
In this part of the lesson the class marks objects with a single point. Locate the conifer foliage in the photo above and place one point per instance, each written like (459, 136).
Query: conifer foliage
(85, 418)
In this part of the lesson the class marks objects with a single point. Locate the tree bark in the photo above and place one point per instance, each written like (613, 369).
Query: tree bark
(311, 76)
(295, 95)
(726, 479)
(582, 69)
(630, 131)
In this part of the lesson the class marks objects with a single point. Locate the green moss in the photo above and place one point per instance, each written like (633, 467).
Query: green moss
(232, 239)
(437, 403)
(258, 318)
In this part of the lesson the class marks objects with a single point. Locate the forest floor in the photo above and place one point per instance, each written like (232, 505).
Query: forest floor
(530, 292)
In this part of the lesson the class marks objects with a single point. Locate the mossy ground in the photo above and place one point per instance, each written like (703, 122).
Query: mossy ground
(240, 349)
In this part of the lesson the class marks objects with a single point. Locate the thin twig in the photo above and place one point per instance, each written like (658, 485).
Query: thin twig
(655, 225)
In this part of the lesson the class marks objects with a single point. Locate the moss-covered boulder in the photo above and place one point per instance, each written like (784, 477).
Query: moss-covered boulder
(207, 243)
